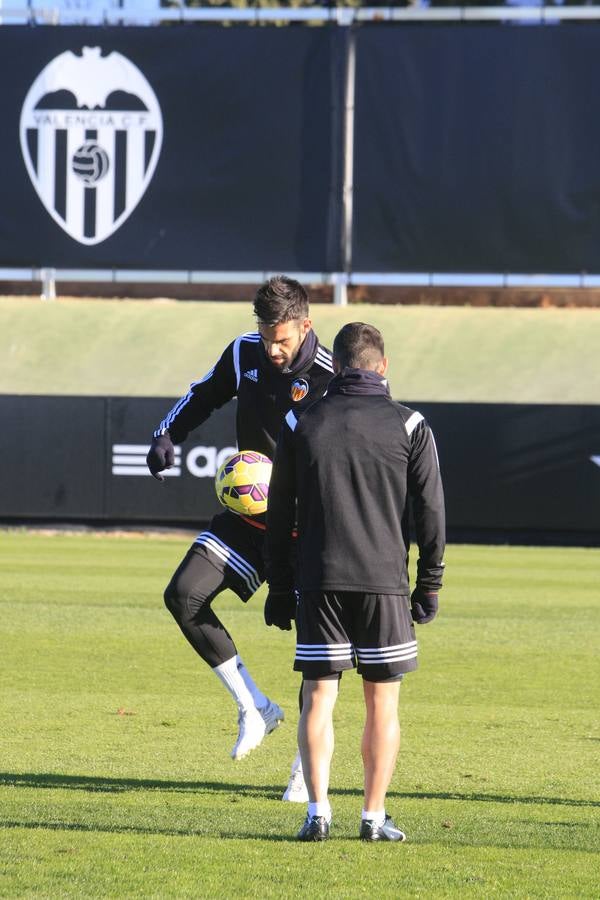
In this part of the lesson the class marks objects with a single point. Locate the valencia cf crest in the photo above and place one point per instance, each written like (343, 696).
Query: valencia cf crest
(91, 133)
(299, 389)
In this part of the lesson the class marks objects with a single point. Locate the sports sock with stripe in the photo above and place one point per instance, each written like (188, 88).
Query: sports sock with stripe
(233, 680)
(260, 700)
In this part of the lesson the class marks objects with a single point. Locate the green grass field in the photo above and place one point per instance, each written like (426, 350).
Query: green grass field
(116, 778)
(154, 348)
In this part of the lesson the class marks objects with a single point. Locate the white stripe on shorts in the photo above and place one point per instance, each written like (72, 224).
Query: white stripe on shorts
(324, 652)
(231, 558)
(380, 655)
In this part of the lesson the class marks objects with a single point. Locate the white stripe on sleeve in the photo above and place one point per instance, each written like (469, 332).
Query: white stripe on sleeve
(412, 422)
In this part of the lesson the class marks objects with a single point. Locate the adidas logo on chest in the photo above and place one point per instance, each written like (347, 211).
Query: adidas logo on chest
(251, 374)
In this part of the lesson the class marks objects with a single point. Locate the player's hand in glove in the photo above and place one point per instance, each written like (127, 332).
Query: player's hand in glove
(280, 609)
(423, 605)
(161, 455)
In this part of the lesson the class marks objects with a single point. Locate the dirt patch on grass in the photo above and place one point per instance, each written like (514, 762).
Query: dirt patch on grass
(56, 529)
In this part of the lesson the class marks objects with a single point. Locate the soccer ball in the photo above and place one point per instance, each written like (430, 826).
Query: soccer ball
(90, 162)
(242, 483)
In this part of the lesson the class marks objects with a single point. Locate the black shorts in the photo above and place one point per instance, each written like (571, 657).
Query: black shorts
(234, 547)
(338, 630)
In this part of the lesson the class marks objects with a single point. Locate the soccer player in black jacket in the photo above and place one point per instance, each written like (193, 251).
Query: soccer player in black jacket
(347, 468)
(280, 367)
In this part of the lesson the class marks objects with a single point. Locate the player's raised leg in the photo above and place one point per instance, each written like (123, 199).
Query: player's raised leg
(188, 597)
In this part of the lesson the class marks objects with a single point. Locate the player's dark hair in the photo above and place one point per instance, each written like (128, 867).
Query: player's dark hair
(280, 299)
(358, 346)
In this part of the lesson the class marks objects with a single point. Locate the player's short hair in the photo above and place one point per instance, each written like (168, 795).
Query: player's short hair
(280, 299)
(358, 346)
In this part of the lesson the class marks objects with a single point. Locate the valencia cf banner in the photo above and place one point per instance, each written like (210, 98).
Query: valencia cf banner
(91, 135)
(206, 148)
(194, 147)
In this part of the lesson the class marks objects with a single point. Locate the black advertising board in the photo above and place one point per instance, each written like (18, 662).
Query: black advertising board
(509, 470)
(85, 458)
(52, 448)
(187, 493)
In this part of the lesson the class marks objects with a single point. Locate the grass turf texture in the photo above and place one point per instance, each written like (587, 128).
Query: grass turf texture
(153, 348)
(116, 777)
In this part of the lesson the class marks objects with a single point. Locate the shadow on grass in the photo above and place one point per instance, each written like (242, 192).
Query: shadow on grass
(95, 784)
(538, 841)
(140, 829)
(264, 792)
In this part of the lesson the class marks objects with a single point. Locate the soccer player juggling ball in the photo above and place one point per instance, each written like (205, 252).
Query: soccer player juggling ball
(280, 367)
(350, 465)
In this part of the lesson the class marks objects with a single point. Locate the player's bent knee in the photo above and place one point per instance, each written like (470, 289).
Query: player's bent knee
(177, 596)
(172, 600)
(185, 605)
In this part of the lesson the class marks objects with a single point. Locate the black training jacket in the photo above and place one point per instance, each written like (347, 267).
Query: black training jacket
(353, 461)
(264, 393)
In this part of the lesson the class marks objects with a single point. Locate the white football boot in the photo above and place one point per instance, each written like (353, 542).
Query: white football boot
(251, 732)
(296, 791)
(253, 725)
(272, 715)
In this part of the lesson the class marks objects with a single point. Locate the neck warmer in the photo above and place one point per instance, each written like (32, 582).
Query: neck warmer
(359, 382)
(304, 359)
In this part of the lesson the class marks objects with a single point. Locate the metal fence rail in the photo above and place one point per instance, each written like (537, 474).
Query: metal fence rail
(136, 13)
(339, 281)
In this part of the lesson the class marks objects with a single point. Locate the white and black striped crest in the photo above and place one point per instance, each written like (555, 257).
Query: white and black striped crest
(91, 132)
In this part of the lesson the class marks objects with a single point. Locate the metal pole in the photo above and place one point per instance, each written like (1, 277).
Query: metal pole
(48, 279)
(341, 287)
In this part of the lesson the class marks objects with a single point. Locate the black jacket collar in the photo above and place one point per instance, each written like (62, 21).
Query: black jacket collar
(359, 381)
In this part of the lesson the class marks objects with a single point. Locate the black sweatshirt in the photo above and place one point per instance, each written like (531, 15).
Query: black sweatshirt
(264, 393)
(353, 460)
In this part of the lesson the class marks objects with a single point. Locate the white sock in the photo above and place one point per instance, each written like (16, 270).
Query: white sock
(297, 764)
(377, 815)
(260, 701)
(320, 809)
(232, 679)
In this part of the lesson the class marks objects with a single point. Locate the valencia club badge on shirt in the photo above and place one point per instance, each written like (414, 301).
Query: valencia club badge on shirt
(299, 389)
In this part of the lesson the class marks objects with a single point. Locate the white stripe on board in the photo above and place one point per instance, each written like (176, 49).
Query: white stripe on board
(141, 470)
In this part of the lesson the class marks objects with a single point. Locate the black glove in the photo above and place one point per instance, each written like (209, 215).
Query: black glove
(161, 455)
(280, 609)
(423, 605)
